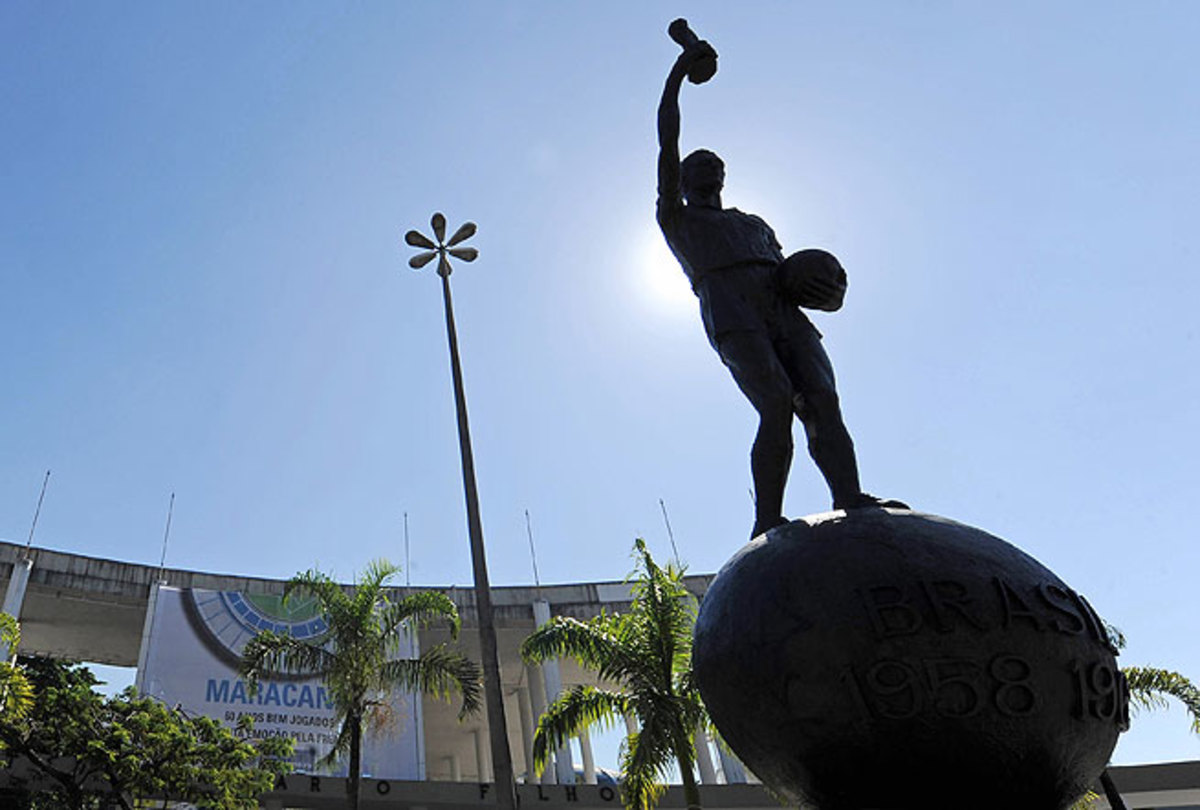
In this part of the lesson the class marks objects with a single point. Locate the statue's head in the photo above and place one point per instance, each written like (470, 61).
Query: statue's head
(701, 175)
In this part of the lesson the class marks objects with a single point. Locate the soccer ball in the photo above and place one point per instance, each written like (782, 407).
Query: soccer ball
(813, 279)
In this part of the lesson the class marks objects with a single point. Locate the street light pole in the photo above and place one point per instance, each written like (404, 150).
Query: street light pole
(506, 791)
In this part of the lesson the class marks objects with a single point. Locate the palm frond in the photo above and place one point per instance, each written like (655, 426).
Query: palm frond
(440, 672)
(317, 585)
(571, 712)
(1149, 688)
(369, 594)
(686, 686)
(663, 601)
(345, 613)
(377, 572)
(597, 644)
(644, 764)
(271, 653)
(421, 609)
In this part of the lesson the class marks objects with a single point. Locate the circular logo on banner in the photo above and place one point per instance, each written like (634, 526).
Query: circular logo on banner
(227, 620)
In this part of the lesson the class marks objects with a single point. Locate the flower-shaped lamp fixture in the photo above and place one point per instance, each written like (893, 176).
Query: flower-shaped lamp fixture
(441, 248)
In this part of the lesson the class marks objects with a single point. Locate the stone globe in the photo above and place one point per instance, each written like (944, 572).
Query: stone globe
(893, 660)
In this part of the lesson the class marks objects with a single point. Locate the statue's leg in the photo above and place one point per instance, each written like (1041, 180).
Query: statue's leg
(758, 372)
(829, 442)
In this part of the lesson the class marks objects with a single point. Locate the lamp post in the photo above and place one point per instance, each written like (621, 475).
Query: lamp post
(442, 249)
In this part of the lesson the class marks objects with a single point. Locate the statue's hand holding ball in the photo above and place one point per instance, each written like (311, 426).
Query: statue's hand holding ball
(813, 279)
(701, 58)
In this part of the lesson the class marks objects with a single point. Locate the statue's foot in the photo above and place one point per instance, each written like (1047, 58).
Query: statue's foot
(764, 525)
(864, 500)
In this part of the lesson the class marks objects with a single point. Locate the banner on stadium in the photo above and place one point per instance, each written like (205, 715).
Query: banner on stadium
(195, 642)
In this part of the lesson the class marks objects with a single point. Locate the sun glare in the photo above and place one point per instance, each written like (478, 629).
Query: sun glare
(664, 286)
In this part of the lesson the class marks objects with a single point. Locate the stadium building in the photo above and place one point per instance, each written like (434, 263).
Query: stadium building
(184, 630)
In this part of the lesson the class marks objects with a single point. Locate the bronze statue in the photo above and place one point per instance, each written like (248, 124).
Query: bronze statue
(773, 351)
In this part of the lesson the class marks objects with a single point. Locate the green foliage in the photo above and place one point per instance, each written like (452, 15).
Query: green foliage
(646, 653)
(16, 693)
(357, 658)
(131, 748)
(1087, 801)
(1150, 687)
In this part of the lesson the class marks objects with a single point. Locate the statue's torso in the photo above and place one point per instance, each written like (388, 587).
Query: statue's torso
(709, 239)
(729, 256)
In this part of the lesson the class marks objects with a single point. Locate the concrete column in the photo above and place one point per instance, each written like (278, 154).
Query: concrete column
(564, 768)
(527, 730)
(735, 773)
(481, 755)
(455, 768)
(14, 594)
(418, 702)
(589, 762)
(14, 597)
(708, 774)
(147, 626)
(537, 699)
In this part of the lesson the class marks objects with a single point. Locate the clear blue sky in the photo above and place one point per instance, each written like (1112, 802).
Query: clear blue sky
(203, 288)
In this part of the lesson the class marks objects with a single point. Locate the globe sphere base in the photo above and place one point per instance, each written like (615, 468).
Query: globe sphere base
(891, 660)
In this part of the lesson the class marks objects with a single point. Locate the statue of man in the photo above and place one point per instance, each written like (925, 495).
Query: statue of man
(770, 347)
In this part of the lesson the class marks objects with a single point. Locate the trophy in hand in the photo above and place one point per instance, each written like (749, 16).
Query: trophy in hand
(705, 66)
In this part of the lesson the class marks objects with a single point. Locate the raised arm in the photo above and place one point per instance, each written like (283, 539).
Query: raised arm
(699, 63)
(669, 196)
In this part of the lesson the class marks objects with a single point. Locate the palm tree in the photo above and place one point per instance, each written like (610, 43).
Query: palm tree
(357, 657)
(647, 654)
